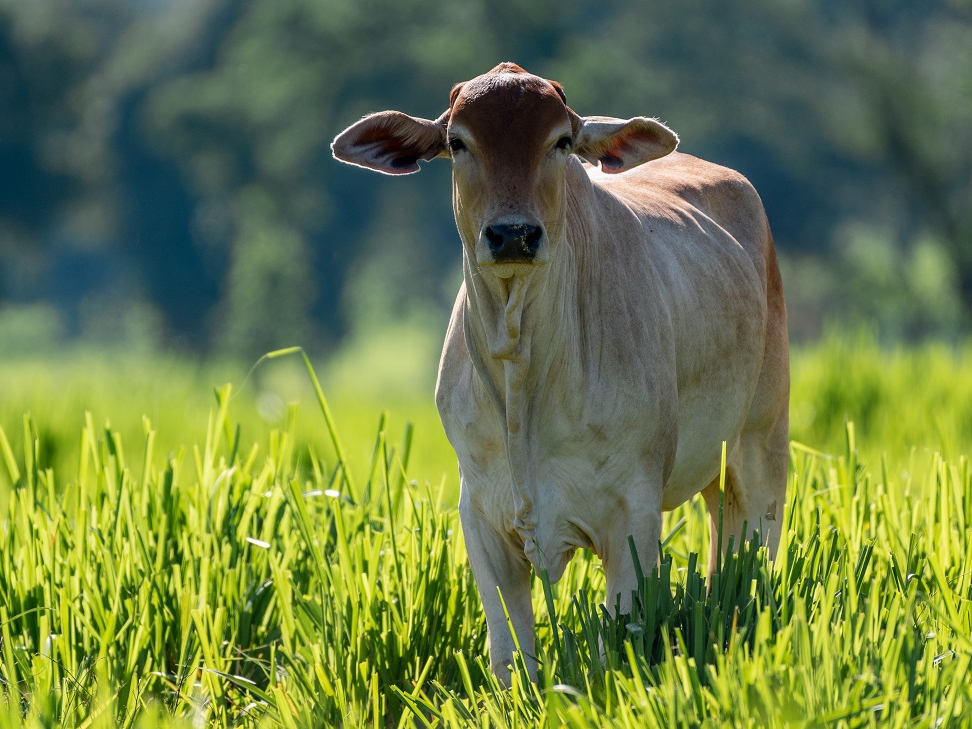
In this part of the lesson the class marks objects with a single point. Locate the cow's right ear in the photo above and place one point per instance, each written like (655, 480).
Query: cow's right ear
(391, 142)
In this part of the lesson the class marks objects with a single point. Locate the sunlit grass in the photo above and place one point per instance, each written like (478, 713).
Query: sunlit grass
(210, 565)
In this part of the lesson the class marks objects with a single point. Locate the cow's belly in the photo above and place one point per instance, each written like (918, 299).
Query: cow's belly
(708, 416)
(697, 459)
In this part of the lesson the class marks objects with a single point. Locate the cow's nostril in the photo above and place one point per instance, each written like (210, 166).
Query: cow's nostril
(532, 239)
(495, 238)
(510, 243)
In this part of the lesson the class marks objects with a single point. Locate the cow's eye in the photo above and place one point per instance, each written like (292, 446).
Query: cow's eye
(565, 143)
(456, 145)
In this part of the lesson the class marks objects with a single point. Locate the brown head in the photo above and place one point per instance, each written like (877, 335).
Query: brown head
(509, 135)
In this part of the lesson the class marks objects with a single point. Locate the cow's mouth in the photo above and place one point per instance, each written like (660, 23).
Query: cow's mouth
(507, 270)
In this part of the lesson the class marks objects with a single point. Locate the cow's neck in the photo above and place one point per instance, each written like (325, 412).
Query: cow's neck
(514, 330)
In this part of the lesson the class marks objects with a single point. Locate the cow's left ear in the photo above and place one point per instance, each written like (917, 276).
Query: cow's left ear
(619, 145)
(391, 142)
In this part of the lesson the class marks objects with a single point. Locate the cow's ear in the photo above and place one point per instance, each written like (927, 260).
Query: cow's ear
(391, 142)
(619, 145)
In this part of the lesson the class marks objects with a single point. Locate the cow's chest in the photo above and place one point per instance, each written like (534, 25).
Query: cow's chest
(576, 482)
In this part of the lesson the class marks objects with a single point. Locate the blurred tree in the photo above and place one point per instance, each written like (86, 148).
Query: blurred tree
(269, 285)
(910, 65)
(86, 209)
(177, 153)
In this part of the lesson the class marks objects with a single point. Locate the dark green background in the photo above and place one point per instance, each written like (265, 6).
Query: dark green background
(165, 177)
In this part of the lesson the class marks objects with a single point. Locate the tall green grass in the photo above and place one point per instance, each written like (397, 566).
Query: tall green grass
(226, 580)
(901, 399)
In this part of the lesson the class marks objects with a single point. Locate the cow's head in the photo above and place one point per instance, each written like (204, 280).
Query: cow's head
(509, 135)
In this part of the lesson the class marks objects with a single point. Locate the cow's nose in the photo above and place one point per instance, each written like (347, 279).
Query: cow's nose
(509, 243)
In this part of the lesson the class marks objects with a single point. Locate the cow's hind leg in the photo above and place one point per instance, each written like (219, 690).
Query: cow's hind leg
(755, 491)
(756, 468)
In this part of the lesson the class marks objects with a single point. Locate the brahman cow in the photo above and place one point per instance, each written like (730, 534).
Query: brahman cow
(613, 328)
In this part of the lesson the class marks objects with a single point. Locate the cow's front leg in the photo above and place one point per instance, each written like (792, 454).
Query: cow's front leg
(500, 569)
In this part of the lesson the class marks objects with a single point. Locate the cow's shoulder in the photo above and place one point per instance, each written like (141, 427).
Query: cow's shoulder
(692, 184)
(692, 179)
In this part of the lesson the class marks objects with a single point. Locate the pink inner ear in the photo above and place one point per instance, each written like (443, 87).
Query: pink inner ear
(611, 161)
(615, 150)
(387, 150)
(389, 142)
(630, 147)
(382, 153)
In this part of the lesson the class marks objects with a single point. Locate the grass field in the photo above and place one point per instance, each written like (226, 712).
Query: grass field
(170, 558)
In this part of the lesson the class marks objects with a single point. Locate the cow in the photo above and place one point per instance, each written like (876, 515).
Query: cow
(621, 316)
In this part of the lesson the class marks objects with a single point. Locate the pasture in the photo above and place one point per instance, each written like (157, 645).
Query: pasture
(275, 555)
